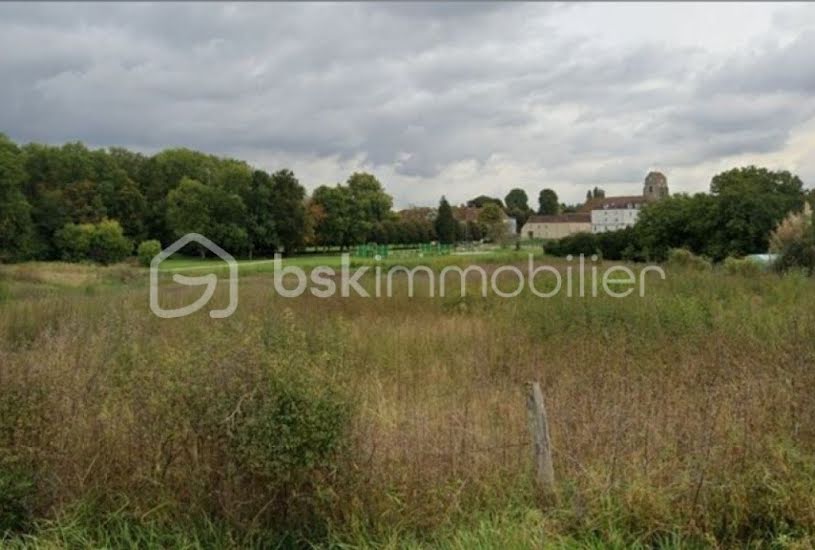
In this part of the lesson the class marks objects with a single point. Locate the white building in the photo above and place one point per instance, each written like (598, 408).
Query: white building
(615, 213)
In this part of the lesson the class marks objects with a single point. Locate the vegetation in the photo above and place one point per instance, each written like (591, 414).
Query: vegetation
(55, 200)
(402, 422)
(735, 219)
(518, 207)
(147, 251)
(794, 242)
(445, 224)
(548, 203)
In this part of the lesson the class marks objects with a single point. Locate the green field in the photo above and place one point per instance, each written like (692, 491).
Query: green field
(682, 419)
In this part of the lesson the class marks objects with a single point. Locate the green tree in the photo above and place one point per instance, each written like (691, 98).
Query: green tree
(481, 200)
(752, 202)
(548, 203)
(517, 203)
(163, 173)
(342, 221)
(517, 199)
(16, 227)
(260, 223)
(211, 211)
(445, 223)
(124, 202)
(288, 210)
(368, 192)
(492, 218)
(108, 243)
(74, 241)
(188, 208)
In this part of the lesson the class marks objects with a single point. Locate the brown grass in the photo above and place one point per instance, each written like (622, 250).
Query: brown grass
(690, 411)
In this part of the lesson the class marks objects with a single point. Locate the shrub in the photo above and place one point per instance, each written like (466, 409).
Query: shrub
(147, 251)
(16, 500)
(74, 241)
(286, 442)
(108, 243)
(685, 258)
(741, 266)
(289, 430)
(794, 242)
(103, 242)
(579, 243)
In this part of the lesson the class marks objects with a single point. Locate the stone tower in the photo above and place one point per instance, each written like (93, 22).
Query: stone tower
(656, 186)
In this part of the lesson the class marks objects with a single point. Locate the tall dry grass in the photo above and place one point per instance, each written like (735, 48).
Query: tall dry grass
(688, 413)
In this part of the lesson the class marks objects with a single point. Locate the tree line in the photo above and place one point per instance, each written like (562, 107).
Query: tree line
(74, 203)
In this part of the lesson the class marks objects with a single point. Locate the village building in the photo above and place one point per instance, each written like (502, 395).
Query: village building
(556, 226)
(614, 213)
(598, 215)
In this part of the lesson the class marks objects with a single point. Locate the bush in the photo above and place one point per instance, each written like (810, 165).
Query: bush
(108, 243)
(741, 266)
(611, 245)
(794, 242)
(579, 243)
(685, 258)
(290, 430)
(74, 241)
(286, 442)
(103, 242)
(147, 251)
(16, 500)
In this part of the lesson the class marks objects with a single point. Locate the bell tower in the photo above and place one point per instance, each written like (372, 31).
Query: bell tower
(655, 187)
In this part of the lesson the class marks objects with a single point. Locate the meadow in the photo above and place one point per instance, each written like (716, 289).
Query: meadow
(683, 419)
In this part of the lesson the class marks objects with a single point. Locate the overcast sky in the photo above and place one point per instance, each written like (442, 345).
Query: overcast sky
(434, 99)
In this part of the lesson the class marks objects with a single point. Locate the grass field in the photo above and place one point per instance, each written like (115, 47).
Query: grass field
(333, 260)
(682, 419)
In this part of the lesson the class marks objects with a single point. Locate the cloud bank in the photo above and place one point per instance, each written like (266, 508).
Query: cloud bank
(456, 99)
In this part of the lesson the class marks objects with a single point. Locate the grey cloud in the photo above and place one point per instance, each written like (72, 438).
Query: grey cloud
(412, 87)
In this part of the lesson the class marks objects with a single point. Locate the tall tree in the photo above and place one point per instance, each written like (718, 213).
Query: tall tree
(368, 192)
(16, 228)
(445, 224)
(517, 199)
(261, 225)
(492, 218)
(288, 210)
(343, 222)
(548, 203)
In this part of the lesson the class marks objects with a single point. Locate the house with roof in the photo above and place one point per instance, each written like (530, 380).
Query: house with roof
(598, 215)
(614, 213)
(556, 226)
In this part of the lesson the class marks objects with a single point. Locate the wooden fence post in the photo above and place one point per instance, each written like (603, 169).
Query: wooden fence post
(539, 426)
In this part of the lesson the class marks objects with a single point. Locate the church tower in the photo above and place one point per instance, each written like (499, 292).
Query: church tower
(656, 186)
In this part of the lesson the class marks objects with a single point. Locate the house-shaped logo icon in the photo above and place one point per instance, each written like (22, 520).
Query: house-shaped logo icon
(210, 280)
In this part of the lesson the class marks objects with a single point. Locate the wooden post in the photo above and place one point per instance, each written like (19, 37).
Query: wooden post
(539, 426)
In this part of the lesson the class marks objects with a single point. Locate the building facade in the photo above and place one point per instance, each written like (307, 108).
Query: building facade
(614, 213)
(556, 226)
